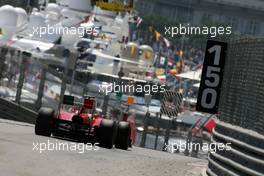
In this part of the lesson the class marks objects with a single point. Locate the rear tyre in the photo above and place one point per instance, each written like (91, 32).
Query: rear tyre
(43, 123)
(105, 133)
(122, 136)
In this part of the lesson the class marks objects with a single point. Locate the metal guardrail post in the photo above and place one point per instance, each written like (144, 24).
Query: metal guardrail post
(158, 117)
(66, 54)
(105, 105)
(11, 68)
(25, 58)
(167, 135)
(145, 132)
(41, 88)
(4, 51)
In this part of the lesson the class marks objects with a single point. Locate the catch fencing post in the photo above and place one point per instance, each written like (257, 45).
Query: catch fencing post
(146, 121)
(66, 54)
(4, 51)
(41, 88)
(23, 67)
(158, 117)
(167, 135)
(145, 131)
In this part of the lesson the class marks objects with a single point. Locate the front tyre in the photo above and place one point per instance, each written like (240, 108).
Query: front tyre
(105, 133)
(43, 123)
(122, 136)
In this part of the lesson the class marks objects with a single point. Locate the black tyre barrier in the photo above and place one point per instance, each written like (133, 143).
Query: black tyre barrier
(246, 157)
(246, 136)
(216, 168)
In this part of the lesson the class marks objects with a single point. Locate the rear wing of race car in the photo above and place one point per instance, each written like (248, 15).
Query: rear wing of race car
(88, 102)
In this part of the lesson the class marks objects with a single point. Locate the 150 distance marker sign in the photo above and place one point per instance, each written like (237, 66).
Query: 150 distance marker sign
(212, 76)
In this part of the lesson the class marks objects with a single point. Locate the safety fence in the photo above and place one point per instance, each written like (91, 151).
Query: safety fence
(241, 110)
(242, 99)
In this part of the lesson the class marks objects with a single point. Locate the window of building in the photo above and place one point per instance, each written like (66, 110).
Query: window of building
(233, 22)
(144, 7)
(207, 17)
(252, 27)
(184, 15)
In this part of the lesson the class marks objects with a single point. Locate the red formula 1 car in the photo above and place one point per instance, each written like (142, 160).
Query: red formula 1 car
(80, 121)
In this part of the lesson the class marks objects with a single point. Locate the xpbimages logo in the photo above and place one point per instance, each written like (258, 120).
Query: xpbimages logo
(126, 88)
(59, 30)
(64, 146)
(212, 31)
(212, 147)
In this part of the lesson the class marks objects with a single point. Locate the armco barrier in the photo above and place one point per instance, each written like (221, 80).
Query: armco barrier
(12, 111)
